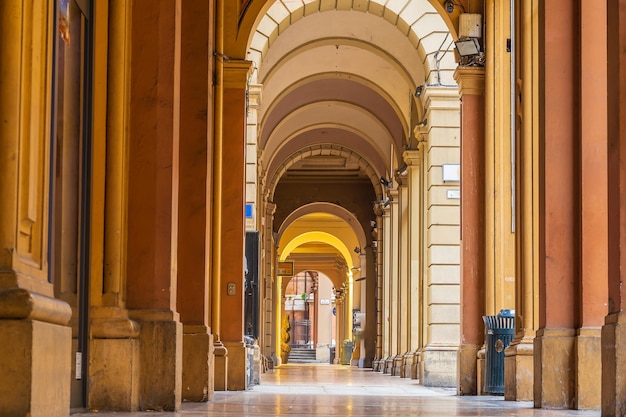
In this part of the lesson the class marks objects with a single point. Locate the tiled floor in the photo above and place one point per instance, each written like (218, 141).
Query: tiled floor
(335, 390)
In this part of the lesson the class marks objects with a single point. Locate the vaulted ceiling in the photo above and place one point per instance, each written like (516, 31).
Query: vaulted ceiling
(338, 107)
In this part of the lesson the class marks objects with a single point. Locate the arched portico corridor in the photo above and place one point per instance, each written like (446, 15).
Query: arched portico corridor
(168, 166)
(348, 391)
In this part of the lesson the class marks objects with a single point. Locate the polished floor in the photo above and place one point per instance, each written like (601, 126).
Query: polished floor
(335, 390)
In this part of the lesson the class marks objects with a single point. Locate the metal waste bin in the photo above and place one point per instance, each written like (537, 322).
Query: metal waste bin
(499, 331)
(346, 351)
(332, 354)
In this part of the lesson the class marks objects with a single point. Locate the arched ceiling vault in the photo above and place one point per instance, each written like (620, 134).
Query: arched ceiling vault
(321, 237)
(351, 158)
(341, 87)
(329, 67)
(336, 115)
(327, 140)
(241, 18)
(342, 219)
(338, 81)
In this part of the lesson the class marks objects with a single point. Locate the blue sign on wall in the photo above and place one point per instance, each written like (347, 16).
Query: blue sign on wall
(248, 211)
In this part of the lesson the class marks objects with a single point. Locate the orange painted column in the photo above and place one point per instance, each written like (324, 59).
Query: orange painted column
(594, 226)
(36, 337)
(614, 330)
(471, 82)
(377, 250)
(152, 201)
(232, 217)
(559, 221)
(193, 282)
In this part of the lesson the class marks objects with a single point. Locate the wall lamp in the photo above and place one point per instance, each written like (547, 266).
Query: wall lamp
(449, 5)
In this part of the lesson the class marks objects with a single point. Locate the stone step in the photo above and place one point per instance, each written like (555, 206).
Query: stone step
(302, 355)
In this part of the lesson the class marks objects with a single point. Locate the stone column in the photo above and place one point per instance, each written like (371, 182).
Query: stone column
(388, 322)
(270, 319)
(404, 295)
(471, 87)
(377, 249)
(614, 329)
(114, 336)
(594, 225)
(368, 303)
(193, 279)
(230, 199)
(413, 158)
(439, 144)
(153, 200)
(339, 323)
(518, 361)
(394, 283)
(348, 305)
(559, 231)
(33, 324)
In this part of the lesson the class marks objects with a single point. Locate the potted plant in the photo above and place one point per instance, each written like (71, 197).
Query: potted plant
(285, 338)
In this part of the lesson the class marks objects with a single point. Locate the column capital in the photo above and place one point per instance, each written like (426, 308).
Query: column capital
(402, 179)
(255, 95)
(471, 80)
(236, 73)
(270, 208)
(412, 157)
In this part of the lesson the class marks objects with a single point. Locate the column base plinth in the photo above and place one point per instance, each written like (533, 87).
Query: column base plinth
(554, 368)
(198, 364)
(613, 365)
(519, 370)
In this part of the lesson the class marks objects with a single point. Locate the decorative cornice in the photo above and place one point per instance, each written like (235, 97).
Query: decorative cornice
(236, 73)
(471, 80)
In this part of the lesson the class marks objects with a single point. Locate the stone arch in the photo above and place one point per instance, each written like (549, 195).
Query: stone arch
(329, 208)
(324, 237)
(402, 13)
(423, 22)
(273, 110)
(309, 151)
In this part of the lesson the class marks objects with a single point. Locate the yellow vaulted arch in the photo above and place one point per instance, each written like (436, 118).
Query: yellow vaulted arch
(318, 237)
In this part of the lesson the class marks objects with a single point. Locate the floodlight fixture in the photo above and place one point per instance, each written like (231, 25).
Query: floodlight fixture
(468, 47)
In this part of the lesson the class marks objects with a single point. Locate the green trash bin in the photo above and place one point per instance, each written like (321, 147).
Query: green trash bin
(499, 332)
(346, 351)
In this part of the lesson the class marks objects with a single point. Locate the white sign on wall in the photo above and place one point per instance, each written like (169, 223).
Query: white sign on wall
(451, 172)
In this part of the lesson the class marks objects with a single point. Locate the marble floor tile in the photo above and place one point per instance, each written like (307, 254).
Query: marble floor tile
(347, 391)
